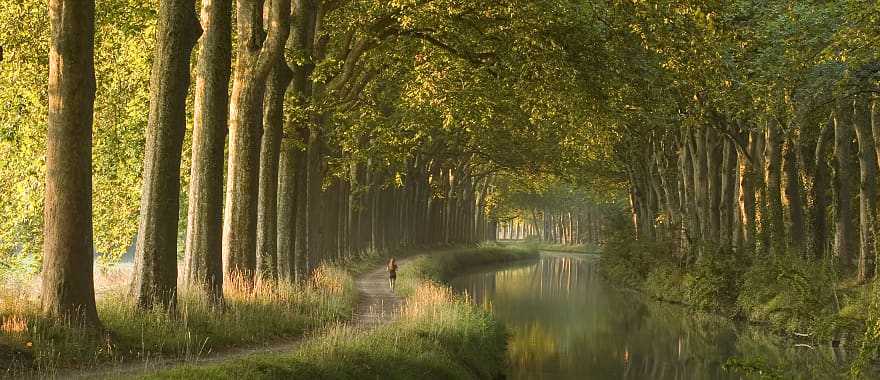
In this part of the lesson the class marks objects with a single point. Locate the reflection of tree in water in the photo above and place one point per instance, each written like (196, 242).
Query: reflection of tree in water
(566, 323)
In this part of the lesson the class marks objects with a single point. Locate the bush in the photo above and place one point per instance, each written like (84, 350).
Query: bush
(712, 282)
(793, 294)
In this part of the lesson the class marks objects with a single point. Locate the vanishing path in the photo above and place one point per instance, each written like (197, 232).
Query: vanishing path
(377, 306)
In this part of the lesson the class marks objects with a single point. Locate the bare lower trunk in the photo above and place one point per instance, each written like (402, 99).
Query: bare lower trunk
(793, 197)
(772, 179)
(68, 288)
(819, 190)
(867, 189)
(845, 230)
(204, 227)
(267, 208)
(155, 266)
(254, 60)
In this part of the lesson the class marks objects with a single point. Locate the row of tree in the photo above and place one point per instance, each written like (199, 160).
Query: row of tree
(762, 140)
(342, 127)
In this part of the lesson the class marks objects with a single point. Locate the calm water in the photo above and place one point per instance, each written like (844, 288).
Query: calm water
(566, 323)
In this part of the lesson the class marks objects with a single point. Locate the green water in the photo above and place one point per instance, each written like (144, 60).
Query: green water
(566, 323)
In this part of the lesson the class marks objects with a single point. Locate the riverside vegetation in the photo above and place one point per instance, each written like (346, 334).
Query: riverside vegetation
(438, 335)
(270, 313)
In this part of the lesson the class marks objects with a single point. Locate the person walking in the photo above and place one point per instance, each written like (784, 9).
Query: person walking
(392, 273)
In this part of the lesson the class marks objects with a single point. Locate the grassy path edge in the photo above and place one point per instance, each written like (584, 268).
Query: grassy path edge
(439, 335)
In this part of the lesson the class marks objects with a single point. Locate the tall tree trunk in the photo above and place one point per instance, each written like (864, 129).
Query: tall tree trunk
(819, 190)
(728, 177)
(867, 188)
(204, 227)
(714, 169)
(844, 229)
(793, 196)
(288, 198)
(254, 60)
(155, 266)
(313, 200)
(68, 287)
(270, 146)
(300, 249)
(773, 181)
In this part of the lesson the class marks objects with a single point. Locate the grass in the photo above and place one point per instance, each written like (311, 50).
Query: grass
(439, 335)
(39, 346)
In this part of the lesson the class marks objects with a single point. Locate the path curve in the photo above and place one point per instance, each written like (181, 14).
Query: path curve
(376, 306)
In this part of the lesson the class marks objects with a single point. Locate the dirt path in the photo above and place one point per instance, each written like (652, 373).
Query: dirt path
(377, 305)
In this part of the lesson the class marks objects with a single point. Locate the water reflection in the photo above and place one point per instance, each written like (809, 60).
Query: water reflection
(567, 324)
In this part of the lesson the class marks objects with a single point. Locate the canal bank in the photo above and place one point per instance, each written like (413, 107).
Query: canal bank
(567, 323)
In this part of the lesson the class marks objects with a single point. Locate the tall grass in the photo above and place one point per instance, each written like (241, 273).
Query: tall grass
(438, 334)
(35, 345)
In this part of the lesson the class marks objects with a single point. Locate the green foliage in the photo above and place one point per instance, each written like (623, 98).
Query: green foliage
(794, 295)
(123, 48)
(712, 282)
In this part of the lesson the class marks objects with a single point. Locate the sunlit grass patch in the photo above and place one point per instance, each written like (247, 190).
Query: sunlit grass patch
(266, 313)
(439, 335)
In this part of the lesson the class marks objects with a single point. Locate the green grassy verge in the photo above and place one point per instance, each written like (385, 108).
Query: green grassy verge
(38, 346)
(31, 344)
(438, 335)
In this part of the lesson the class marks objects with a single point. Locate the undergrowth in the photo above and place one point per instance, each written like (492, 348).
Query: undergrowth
(790, 294)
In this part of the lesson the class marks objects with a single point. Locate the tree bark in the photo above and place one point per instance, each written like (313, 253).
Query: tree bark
(300, 249)
(254, 60)
(155, 266)
(728, 177)
(773, 182)
(204, 227)
(793, 197)
(267, 202)
(845, 233)
(819, 190)
(67, 275)
(867, 188)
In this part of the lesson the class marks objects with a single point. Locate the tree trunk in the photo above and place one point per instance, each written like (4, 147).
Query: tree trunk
(267, 207)
(844, 229)
(714, 169)
(819, 190)
(772, 179)
(155, 267)
(728, 177)
(313, 201)
(68, 286)
(204, 227)
(793, 197)
(300, 249)
(288, 197)
(867, 188)
(254, 61)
